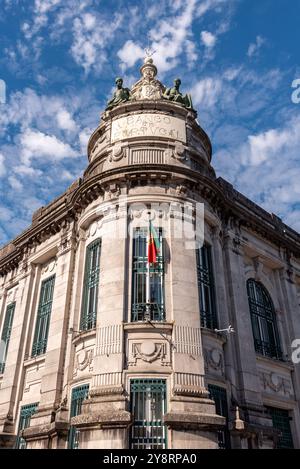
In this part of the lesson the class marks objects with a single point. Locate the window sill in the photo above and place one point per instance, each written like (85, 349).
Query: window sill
(154, 325)
(83, 335)
(34, 360)
(275, 361)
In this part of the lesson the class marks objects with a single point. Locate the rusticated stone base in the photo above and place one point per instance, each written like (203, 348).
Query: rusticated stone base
(52, 435)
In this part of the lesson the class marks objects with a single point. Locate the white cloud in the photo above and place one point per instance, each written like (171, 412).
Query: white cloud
(88, 48)
(27, 108)
(2, 165)
(206, 92)
(266, 169)
(36, 144)
(130, 53)
(208, 39)
(27, 171)
(66, 175)
(5, 214)
(254, 47)
(170, 37)
(65, 121)
(15, 184)
(40, 16)
(84, 136)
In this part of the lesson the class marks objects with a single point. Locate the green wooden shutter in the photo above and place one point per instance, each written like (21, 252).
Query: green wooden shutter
(6, 332)
(139, 275)
(43, 317)
(206, 288)
(90, 286)
(78, 395)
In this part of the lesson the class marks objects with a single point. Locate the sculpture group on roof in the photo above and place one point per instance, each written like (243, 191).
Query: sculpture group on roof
(148, 87)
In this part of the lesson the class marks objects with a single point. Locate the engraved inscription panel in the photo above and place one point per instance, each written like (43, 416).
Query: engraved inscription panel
(148, 125)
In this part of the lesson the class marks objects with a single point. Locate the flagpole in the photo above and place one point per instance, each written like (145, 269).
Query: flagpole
(148, 312)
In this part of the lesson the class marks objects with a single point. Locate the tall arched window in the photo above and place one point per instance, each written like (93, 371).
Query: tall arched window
(265, 332)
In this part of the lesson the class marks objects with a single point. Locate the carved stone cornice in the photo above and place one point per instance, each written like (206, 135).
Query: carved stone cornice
(232, 208)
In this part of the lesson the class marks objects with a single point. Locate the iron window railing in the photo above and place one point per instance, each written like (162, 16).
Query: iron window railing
(78, 395)
(219, 395)
(281, 421)
(263, 318)
(90, 286)
(140, 309)
(6, 333)
(43, 317)
(26, 413)
(148, 406)
(206, 288)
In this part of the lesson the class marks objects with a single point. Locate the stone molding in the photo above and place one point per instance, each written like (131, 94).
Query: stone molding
(105, 420)
(194, 421)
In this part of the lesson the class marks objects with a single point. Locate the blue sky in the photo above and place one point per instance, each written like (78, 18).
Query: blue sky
(59, 59)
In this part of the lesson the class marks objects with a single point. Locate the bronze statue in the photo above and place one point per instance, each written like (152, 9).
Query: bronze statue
(174, 94)
(121, 95)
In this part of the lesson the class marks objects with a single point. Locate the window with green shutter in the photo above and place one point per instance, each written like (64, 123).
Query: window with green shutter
(148, 406)
(26, 413)
(78, 395)
(90, 286)
(206, 287)
(139, 278)
(5, 336)
(43, 317)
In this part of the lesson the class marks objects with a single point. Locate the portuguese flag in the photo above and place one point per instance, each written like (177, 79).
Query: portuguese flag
(153, 245)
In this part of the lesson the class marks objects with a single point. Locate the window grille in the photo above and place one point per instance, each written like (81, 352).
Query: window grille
(264, 327)
(139, 268)
(26, 413)
(90, 286)
(43, 317)
(281, 421)
(206, 288)
(219, 395)
(78, 395)
(6, 333)
(148, 406)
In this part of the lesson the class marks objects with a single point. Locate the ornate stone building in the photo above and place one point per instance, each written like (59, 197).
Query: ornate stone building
(88, 361)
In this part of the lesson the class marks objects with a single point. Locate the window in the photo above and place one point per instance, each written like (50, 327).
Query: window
(25, 416)
(206, 288)
(220, 397)
(281, 421)
(140, 310)
(6, 332)
(148, 406)
(78, 395)
(264, 327)
(43, 317)
(90, 286)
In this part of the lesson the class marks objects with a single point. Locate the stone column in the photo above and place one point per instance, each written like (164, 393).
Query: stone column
(43, 425)
(247, 382)
(104, 419)
(191, 416)
(12, 378)
(222, 304)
